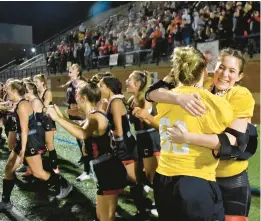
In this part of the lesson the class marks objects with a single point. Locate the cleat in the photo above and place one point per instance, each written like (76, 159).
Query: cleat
(83, 176)
(5, 206)
(57, 171)
(64, 192)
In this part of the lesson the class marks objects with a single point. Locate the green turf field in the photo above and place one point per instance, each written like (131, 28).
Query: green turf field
(80, 204)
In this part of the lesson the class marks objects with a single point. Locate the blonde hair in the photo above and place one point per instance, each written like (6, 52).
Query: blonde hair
(171, 78)
(234, 53)
(42, 78)
(19, 86)
(144, 78)
(188, 64)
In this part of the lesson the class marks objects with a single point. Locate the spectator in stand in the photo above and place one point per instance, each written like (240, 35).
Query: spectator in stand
(80, 55)
(103, 50)
(121, 42)
(136, 40)
(70, 38)
(130, 30)
(255, 23)
(132, 14)
(162, 30)
(187, 32)
(155, 35)
(82, 28)
(114, 48)
(178, 36)
(81, 37)
(75, 57)
(87, 55)
(53, 47)
(128, 45)
(156, 49)
(63, 55)
(186, 16)
(75, 37)
(149, 30)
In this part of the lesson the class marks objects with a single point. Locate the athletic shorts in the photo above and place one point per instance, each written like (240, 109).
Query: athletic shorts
(148, 144)
(10, 123)
(111, 177)
(47, 123)
(187, 198)
(236, 194)
(126, 149)
(34, 144)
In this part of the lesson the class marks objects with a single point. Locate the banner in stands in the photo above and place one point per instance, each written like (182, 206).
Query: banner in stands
(129, 59)
(114, 59)
(210, 50)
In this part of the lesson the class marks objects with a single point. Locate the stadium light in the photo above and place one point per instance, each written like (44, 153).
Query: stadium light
(33, 50)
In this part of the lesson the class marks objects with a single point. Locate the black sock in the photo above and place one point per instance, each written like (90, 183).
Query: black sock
(80, 145)
(138, 197)
(57, 181)
(8, 186)
(86, 163)
(53, 158)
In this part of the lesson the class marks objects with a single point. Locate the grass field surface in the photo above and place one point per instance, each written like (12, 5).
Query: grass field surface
(80, 204)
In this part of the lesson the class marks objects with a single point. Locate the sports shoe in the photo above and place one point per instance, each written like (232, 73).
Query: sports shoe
(57, 171)
(21, 169)
(9, 208)
(5, 206)
(146, 189)
(154, 212)
(83, 176)
(64, 192)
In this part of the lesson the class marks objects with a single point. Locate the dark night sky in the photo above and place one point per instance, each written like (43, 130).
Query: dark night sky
(47, 18)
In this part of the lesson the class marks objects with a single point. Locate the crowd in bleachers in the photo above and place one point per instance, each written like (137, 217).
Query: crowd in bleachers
(161, 28)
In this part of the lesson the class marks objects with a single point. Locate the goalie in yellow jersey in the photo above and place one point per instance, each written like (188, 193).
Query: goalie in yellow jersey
(184, 183)
(232, 174)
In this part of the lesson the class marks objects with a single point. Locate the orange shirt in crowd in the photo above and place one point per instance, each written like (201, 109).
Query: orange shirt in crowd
(154, 36)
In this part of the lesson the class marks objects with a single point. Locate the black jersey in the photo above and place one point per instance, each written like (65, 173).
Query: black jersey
(125, 147)
(71, 91)
(126, 126)
(43, 97)
(139, 125)
(101, 144)
(35, 140)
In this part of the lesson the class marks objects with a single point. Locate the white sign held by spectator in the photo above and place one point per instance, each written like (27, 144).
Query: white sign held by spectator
(129, 59)
(211, 51)
(114, 59)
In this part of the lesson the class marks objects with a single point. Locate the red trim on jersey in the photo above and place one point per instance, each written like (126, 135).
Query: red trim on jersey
(236, 218)
(156, 154)
(126, 162)
(113, 192)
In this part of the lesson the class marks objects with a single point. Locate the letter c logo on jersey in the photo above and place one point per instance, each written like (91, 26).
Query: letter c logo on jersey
(32, 151)
(146, 152)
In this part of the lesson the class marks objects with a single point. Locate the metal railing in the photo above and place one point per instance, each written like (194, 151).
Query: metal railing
(249, 44)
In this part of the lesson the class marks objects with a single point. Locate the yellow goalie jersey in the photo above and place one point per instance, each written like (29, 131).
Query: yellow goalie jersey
(187, 159)
(242, 102)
